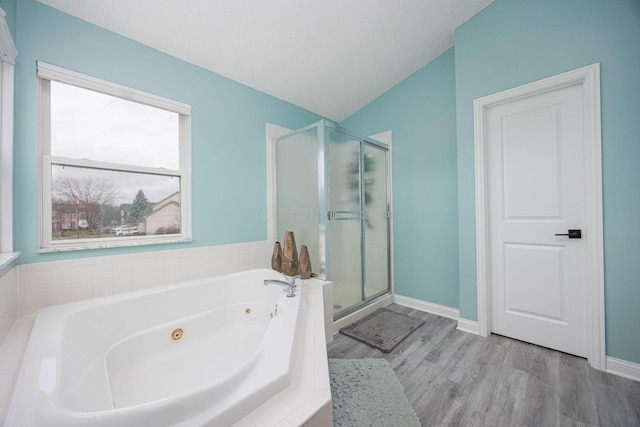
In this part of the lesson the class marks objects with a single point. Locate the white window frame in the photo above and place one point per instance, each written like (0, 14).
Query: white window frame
(46, 74)
(8, 53)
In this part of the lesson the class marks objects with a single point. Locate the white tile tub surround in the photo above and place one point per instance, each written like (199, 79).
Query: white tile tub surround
(306, 402)
(50, 283)
(8, 302)
(11, 352)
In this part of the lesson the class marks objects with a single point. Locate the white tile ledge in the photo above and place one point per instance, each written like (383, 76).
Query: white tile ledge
(11, 353)
(125, 243)
(307, 401)
(7, 257)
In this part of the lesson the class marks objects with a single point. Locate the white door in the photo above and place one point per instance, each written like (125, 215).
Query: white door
(536, 190)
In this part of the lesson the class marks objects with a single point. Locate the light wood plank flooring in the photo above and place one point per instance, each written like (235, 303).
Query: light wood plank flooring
(453, 378)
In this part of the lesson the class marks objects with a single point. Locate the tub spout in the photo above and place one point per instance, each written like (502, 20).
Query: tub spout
(291, 286)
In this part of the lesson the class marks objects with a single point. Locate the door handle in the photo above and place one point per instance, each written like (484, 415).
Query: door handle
(346, 215)
(573, 234)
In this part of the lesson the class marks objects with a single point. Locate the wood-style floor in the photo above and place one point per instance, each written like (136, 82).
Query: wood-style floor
(453, 378)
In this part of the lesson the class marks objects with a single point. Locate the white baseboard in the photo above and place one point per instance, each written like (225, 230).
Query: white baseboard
(623, 368)
(429, 307)
(440, 310)
(469, 326)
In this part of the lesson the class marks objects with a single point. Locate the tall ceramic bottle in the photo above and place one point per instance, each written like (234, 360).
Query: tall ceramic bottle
(290, 255)
(276, 258)
(305, 262)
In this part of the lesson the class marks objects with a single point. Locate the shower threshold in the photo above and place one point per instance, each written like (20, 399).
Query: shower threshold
(361, 309)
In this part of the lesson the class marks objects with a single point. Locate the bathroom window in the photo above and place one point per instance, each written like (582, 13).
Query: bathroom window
(115, 164)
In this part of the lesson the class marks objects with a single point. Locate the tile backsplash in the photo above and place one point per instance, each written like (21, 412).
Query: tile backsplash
(58, 282)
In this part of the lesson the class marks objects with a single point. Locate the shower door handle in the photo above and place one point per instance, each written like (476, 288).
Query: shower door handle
(346, 215)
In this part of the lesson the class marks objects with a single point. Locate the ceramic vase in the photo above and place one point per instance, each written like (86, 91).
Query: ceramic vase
(289, 255)
(305, 262)
(276, 258)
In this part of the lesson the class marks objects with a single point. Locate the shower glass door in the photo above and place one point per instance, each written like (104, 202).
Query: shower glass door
(358, 222)
(345, 217)
(376, 222)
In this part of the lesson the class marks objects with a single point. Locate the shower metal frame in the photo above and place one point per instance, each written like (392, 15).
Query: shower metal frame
(326, 215)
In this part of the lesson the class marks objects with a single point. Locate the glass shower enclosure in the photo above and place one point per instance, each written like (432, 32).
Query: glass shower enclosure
(332, 191)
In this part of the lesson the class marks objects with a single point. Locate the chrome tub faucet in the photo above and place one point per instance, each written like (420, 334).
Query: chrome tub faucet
(290, 285)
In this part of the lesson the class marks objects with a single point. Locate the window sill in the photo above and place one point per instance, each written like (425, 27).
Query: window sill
(7, 257)
(112, 244)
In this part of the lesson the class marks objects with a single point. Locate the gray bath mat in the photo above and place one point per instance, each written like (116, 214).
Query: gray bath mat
(383, 329)
(366, 392)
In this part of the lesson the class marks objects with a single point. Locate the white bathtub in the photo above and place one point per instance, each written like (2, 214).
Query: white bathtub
(112, 361)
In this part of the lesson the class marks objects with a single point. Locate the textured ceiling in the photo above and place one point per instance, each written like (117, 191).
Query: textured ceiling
(331, 57)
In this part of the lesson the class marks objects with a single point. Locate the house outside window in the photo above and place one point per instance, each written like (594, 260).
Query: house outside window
(110, 155)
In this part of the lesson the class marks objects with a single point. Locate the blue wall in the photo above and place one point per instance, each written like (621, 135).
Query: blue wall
(228, 126)
(420, 111)
(514, 42)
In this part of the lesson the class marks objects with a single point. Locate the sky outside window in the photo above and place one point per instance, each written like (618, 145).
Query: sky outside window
(94, 126)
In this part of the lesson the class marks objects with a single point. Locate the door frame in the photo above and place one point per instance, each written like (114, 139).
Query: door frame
(589, 79)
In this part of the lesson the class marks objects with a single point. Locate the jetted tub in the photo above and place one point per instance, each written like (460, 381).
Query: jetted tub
(200, 353)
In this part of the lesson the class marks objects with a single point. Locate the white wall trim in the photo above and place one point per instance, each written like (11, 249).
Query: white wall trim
(7, 258)
(464, 325)
(589, 78)
(429, 307)
(53, 72)
(8, 51)
(8, 55)
(469, 326)
(6, 156)
(623, 368)
(273, 133)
